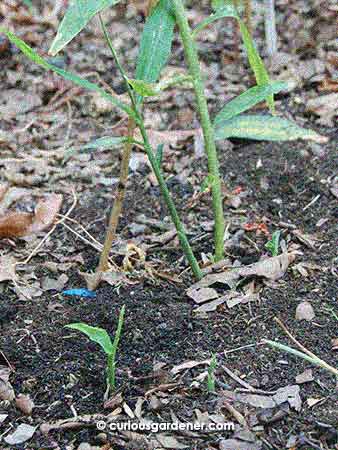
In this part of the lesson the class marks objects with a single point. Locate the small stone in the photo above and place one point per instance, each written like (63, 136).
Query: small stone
(102, 438)
(84, 446)
(305, 311)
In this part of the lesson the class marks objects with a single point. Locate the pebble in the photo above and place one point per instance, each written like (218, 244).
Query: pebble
(4, 44)
(102, 438)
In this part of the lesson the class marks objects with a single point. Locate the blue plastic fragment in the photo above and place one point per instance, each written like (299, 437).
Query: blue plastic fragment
(80, 293)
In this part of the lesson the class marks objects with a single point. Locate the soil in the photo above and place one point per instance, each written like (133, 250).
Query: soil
(61, 370)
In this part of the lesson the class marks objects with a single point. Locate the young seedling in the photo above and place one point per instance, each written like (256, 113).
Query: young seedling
(211, 380)
(101, 337)
(273, 244)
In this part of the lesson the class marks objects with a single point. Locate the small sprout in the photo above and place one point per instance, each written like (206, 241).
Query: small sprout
(101, 337)
(273, 244)
(211, 375)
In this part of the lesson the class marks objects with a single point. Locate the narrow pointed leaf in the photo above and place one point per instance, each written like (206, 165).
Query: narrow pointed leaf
(247, 100)
(76, 18)
(255, 61)
(95, 334)
(104, 142)
(156, 41)
(220, 13)
(265, 128)
(33, 56)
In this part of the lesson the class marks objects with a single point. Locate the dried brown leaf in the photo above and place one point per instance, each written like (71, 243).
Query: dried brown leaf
(23, 433)
(170, 442)
(6, 389)
(7, 268)
(289, 394)
(25, 404)
(15, 224)
(232, 444)
(45, 213)
(202, 295)
(189, 365)
(305, 377)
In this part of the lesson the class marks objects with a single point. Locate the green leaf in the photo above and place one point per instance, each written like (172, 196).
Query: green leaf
(247, 100)
(156, 41)
(267, 128)
(104, 142)
(119, 330)
(143, 88)
(206, 184)
(255, 61)
(33, 56)
(221, 12)
(216, 4)
(95, 334)
(175, 81)
(29, 5)
(273, 244)
(76, 18)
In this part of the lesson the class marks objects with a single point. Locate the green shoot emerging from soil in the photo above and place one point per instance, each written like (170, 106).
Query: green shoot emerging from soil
(273, 244)
(211, 380)
(101, 337)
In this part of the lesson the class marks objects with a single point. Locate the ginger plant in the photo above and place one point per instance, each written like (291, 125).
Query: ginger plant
(121, 188)
(155, 49)
(102, 338)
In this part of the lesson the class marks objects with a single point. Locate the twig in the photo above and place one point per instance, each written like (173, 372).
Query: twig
(135, 113)
(243, 347)
(100, 246)
(236, 414)
(118, 203)
(236, 378)
(30, 256)
(95, 246)
(6, 360)
(313, 201)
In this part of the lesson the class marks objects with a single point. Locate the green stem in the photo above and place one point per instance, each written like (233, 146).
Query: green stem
(111, 357)
(111, 372)
(170, 205)
(313, 360)
(156, 167)
(191, 55)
